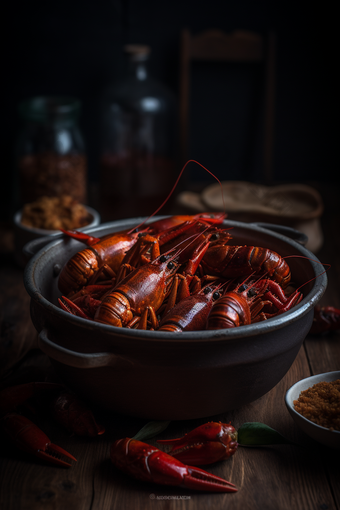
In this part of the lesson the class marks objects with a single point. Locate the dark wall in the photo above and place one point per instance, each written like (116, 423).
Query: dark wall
(75, 48)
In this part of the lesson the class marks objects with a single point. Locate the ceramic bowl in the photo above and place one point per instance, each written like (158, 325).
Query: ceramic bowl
(24, 235)
(321, 434)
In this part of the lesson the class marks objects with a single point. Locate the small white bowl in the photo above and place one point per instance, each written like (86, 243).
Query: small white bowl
(24, 235)
(321, 434)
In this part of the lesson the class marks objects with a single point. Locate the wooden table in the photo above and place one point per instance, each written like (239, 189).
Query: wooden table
(275, 477)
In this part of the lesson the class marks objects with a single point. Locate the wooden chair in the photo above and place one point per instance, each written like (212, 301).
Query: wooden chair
(239, 46)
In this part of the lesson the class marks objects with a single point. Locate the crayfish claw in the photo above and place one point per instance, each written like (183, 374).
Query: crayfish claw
(53, 454)
(199, 479)
(26, 436)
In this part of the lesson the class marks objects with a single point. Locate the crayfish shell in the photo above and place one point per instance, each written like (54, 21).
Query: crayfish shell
(77, 271)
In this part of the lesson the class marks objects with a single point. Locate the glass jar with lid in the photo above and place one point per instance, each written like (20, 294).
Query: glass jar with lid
(50, 152)
(138, 142)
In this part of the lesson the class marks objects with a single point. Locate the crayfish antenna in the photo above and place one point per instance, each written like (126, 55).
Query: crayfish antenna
(81, 236)
(174, 187)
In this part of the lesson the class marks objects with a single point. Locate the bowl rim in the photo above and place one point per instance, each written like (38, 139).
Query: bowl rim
(332, 375)
(307, 303)
(44, 232)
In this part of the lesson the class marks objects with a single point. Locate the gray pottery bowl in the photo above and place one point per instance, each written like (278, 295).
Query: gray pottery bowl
(169, 376)
(321, 434)
(24, 234)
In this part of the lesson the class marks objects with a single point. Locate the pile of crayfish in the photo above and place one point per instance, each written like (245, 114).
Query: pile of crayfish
(208, 443)
(176, 274)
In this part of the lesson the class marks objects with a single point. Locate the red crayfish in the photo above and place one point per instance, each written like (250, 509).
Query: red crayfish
(191, 313)
(143, 290)
(241, 261)
(207, 444)
(65, 408)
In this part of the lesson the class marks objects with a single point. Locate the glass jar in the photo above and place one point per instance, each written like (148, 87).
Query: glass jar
(138, 145)
(50, 153)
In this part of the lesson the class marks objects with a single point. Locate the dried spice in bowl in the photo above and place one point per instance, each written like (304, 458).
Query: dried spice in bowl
(54, 213)
(321, 404)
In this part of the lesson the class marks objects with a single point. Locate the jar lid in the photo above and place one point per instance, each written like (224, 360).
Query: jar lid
(47, 107)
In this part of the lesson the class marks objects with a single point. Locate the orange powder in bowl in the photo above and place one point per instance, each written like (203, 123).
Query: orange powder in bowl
(321, 404)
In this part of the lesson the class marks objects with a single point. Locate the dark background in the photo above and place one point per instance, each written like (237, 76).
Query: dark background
(75, 48)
